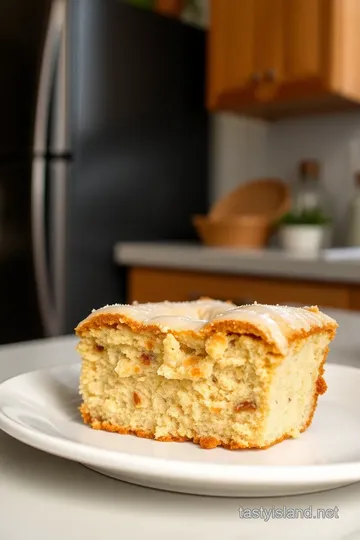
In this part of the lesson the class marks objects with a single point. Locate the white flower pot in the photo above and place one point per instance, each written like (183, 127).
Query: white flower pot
(302, 240)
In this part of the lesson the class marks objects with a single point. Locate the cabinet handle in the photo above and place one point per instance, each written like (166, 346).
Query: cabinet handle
(270, 75)
(255, 77)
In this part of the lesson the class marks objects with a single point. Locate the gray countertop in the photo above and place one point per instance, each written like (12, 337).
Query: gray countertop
(272, 263)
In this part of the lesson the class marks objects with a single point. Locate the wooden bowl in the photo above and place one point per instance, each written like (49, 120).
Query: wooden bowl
(251, 232)
(267, 197)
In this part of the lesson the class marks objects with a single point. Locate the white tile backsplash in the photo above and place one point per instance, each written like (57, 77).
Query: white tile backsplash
(243, 148)
(239, 152)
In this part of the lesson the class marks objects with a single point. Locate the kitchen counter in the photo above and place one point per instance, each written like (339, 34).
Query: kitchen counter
(271, 263)
(45, 497)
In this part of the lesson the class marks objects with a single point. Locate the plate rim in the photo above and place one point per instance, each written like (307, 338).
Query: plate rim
(216, 474)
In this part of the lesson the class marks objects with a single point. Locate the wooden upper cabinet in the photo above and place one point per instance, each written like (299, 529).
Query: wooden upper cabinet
(305, 33)
(275, 58)
(268, 39)
(231, 42)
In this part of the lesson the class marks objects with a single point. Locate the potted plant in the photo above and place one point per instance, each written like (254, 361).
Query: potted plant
(303, 234)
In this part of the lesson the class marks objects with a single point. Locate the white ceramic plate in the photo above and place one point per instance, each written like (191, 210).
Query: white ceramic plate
(40, 409)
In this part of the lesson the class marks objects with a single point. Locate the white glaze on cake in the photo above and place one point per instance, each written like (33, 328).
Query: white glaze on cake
(275, 322)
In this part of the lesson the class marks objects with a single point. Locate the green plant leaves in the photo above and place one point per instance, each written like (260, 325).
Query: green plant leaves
(313, 217)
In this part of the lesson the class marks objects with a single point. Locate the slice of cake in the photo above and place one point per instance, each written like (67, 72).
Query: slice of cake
(206, 371)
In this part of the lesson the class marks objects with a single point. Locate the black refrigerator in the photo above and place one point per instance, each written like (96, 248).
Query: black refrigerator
(104, 138)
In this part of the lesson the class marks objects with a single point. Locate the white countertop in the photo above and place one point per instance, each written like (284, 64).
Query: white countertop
(43, 497)
(272, 263)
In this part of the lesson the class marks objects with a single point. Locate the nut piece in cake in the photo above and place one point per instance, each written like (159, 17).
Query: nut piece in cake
(206, 371)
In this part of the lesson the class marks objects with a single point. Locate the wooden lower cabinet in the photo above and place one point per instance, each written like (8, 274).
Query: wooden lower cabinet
(156, 285)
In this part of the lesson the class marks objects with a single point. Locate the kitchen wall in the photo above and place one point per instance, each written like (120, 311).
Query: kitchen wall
(244, 148)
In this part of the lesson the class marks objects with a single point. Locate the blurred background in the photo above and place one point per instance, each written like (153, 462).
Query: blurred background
(173, 149)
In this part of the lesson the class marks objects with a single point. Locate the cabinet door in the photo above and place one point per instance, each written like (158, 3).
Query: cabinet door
(269, 46)
(245, 54)
(291, 48)
(230, 48)
(345, 45)
(306, 31)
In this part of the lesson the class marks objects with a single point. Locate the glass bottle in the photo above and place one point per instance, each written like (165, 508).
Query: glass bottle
(312, 203)
(310, 196)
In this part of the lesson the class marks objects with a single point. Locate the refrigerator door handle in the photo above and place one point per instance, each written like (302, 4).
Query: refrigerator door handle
(59, 140)
(38, 207)
(58, 204)
(47, 81)
(47, 74)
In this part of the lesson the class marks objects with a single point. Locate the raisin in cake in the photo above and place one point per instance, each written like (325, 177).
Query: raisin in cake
(205, 371)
